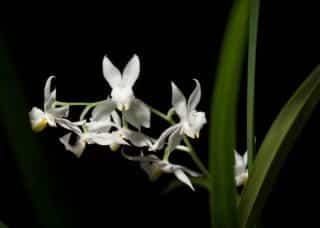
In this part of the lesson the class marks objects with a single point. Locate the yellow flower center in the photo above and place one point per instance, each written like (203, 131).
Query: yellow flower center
(114, 147)
(40, 125)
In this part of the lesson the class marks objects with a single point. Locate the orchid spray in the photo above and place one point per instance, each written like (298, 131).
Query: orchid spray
(119, 121)
(238, 184)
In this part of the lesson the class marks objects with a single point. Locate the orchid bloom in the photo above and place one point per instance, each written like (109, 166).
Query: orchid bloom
(95, 132)
(191, 121)
(134, 110)
(98, 131)
(241, 171)
(136, 138)
(152, 165)
(103, 116)
(50, 115)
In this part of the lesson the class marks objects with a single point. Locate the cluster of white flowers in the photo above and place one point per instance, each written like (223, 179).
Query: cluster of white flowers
(119, 121)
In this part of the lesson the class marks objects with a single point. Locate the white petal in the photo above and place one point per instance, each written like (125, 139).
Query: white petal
(239, 164)
(241, 179)
(51, 119)
(190, 172)
(138, 114)
(183, 178)
(123, 97)
(179, 101)
(136, 138)
(36, 116)
(245, 159)
(48, 104)
(194, 98)
(47, 89)
(131, 72)
(111, 73)
(99, 126)
(116, 119)
(161, 140)
(105, 139)
(60, 111)
(238, 181)
(102, 111)
(141, 157)
(194, 123)
(238, 158)
(67, 124)
(174, 140)
(77, 148)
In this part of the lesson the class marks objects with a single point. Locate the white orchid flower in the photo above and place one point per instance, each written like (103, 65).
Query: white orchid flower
(95, 136)
(50, 115)
(112, 119)
(95, 132)
(104, 117)
(191, 121)
(98, 131)
(134, 110)
(241, 171)
(136, 138)
(152, 165)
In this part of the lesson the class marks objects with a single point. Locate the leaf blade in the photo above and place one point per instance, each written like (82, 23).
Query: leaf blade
(222, 129)
(252, 49)
(41, 184)
(276, 146)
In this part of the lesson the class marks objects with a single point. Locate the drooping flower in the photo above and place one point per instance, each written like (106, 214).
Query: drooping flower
(113, 119)
(93, 135)
(241, 171)
(191, 120)
(103, 129)
(134, 110)
(50, 115)
(152, 165)
(136, 138)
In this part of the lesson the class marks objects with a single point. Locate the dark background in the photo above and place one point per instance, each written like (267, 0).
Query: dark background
(174, 43)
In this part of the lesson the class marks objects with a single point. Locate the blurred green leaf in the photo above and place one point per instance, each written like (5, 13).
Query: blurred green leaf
(223, 114)
(40, 178)
(253, 33)
(3, 225)
(278, 142)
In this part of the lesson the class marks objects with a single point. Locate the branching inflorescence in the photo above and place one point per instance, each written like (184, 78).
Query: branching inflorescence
(119, 120)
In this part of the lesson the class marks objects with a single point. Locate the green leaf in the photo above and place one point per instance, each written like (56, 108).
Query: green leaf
(2, 225)
(223, 114)
(275, 147)
(40, 175)
(253, 33)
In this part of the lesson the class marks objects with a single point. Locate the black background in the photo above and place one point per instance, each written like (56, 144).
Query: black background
(174, 42)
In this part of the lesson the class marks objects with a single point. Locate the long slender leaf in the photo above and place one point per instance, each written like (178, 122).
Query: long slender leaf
(253, 33)
(33, 166)
(276, 145)
(223, 119)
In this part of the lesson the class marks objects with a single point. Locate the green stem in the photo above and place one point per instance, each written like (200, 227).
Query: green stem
(170, 113)
(183, 148)
(60, 103)
(191, 150)
(195, 157)
(124, 122)
(161, 114)
(253, 32)
(85, 111)
(166, 154)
